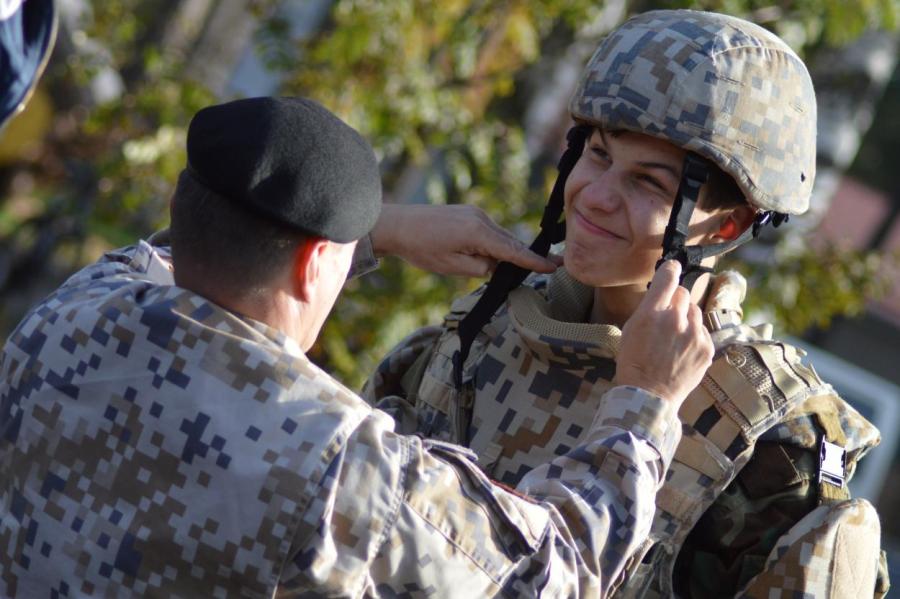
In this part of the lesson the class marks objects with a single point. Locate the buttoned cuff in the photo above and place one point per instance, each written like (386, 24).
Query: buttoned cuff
(643, 414)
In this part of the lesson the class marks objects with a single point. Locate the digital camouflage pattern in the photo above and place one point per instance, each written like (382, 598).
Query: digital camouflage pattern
(718, 85)
(828, 545)
(152, 443)
(744, 476)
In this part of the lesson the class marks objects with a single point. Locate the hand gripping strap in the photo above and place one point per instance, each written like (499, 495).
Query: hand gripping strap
(508, 276)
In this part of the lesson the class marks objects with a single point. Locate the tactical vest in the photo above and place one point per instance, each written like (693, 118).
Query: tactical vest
(752, 430)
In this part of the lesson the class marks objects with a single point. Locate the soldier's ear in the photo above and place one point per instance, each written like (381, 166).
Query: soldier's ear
(735, 222)
(306, 268)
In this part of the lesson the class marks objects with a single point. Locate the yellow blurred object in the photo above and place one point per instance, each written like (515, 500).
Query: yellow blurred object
(24, 133)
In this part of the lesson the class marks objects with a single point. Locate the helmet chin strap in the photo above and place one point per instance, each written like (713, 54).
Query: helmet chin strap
(508, 276)
(694, 175)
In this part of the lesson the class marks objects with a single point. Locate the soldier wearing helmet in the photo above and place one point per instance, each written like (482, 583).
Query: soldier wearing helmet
(692, 131)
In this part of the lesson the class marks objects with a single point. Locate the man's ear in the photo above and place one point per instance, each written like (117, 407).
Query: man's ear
(307, 266)
(736, 222)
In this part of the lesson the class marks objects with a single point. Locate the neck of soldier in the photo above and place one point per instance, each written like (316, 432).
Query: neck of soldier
(273, 305)
(615, 305)
(282, 311)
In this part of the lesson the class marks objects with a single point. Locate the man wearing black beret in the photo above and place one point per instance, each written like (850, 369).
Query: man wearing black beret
(166, 435)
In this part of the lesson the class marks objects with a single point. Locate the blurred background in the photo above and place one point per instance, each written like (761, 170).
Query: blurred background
(465, 102)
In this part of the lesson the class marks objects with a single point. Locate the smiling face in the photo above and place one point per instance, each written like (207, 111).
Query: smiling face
(618, 199)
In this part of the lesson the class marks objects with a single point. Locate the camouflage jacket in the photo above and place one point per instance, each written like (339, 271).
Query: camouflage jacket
(153, 443)
(741, 500)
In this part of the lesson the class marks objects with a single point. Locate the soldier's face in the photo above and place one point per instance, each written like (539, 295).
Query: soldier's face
(618, 199)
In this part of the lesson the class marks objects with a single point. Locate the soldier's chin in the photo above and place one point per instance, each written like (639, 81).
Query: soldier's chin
(590, 272)
(584, 270)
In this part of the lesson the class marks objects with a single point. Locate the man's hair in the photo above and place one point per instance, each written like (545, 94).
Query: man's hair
(219, 244)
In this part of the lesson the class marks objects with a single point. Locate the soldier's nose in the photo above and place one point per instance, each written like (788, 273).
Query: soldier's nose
(603, 193)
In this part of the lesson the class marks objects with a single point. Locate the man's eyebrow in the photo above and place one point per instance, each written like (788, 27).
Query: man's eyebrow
(662, 166)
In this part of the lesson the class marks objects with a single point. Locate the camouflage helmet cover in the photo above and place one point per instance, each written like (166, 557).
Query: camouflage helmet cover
(720, 86)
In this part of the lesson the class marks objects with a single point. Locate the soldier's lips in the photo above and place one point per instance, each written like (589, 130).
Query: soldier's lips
(594, 229)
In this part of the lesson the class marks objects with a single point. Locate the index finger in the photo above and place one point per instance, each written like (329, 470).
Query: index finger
(502, 246)
(663, 285)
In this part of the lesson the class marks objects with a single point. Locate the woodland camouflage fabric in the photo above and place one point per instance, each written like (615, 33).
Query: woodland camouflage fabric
(154, 444)
(743, 482)
(715, 84)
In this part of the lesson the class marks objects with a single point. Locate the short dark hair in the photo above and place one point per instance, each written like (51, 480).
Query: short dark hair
(223, 244)
(722, 192)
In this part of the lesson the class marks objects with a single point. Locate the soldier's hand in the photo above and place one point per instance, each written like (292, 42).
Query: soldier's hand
(665, 348)
(451, 240)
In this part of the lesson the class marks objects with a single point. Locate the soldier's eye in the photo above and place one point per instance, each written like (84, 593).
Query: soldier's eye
(600, 153)
(653, 182)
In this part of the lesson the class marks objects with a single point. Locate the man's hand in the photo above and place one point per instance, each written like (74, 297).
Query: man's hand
(451, 240)
(665, 348)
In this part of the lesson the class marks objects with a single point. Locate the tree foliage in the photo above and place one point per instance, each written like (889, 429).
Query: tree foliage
(812, 285)
(104, 173)
(439, 88)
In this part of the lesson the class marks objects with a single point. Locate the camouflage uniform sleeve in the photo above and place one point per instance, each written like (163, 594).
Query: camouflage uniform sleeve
(402, 516)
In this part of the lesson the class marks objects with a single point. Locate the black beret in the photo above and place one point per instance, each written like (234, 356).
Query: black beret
(289, 159)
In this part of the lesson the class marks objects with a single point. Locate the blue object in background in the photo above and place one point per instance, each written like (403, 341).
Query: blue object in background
(27, 33)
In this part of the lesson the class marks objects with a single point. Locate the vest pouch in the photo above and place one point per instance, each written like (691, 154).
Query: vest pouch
(831, 553)
(770, 494)
(442, 407)
(519, 522)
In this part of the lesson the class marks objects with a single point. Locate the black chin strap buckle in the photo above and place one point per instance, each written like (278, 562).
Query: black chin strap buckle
(769, 216)
(694, 175)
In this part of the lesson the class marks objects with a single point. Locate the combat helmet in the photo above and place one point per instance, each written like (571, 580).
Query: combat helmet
(726, 90)
(719, 86)
(27, 33)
